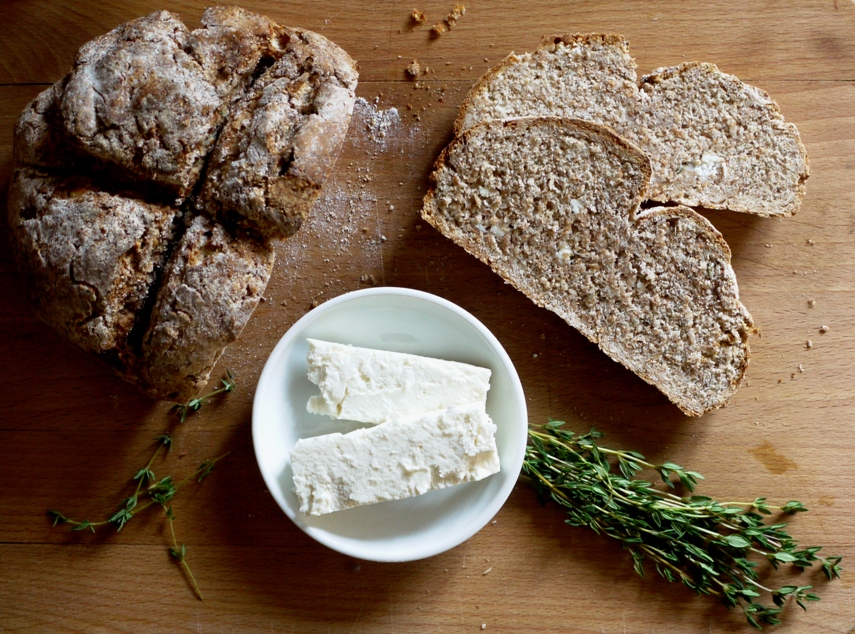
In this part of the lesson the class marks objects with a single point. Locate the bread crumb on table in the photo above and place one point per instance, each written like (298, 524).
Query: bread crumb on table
(823, 329)
(811, 303)
(455, 14)
(413, 69)
(418, 16)
(808, 344)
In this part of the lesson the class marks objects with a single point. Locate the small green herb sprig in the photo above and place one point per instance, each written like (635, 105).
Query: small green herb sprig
(694, 540)
(150, 491)
(195, 404)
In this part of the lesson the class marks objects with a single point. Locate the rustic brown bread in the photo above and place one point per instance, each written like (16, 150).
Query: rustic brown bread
(109, 162)
(90, 257)
(151, 96)
(282, 137)
(211, 287)
(717, 142)
(714, 141)
(552, 205)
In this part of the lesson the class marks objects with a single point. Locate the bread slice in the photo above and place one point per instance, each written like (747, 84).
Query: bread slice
(582, 76)
(714, 141)
(717, 142)
(552, 205)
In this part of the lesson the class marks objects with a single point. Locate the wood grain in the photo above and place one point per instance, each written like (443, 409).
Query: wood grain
(71, 433)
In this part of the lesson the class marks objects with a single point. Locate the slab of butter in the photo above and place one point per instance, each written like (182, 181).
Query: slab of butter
(395, 460)
(373, 386)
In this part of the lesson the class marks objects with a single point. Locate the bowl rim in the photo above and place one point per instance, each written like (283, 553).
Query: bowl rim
(519, 436)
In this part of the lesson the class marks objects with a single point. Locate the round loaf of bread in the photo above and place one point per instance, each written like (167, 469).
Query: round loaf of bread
(151, 179)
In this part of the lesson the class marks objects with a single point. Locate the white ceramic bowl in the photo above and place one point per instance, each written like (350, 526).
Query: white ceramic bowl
(401, 320)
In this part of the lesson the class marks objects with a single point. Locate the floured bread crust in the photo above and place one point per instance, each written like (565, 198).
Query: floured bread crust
(90, 257)
(552, 205)
(282, 137)
(136, 98)
(210, 289)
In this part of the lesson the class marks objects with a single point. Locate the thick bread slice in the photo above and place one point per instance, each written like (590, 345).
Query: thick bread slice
(583, 76)
(212, 284)
(89, 257)
(282, 137)
(713, 140)
(551, 205)
(717, 142)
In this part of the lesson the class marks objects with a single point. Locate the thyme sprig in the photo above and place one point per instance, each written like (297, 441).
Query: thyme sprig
(157, 492)
(150, 491)
(179, 553)
(195, 404)
(694, 540)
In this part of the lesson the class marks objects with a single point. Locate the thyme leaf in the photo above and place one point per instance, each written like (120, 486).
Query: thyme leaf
(195, 404)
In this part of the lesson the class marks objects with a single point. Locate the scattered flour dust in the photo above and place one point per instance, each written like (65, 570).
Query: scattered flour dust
(339, 247)
(379, 124)
(344, 225)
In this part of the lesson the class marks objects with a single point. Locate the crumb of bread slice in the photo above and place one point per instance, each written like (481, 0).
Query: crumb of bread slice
(718, 142)
(552, 205)
(582, 76)
(714, 141)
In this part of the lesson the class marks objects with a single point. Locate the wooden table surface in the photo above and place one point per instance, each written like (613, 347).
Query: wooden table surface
(71, 434)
